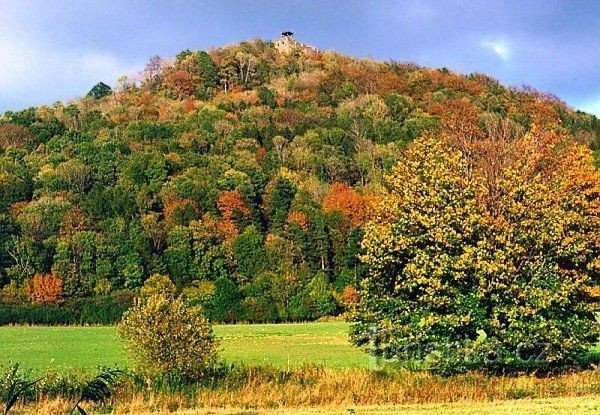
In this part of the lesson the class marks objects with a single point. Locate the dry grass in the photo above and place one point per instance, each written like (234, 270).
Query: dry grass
(583, 405)
(317, 387)
(296, 390)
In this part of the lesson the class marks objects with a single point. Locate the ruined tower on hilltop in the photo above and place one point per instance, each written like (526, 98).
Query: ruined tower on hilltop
(287, 44)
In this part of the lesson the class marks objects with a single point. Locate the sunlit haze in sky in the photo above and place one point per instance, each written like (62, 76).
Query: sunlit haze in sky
(57, 50)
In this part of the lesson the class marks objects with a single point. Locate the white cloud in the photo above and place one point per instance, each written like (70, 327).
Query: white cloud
(499, 47)
(34, 73)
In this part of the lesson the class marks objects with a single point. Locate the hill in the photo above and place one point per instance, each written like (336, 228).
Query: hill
(244, 173)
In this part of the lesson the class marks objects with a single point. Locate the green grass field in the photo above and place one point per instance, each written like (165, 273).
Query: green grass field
(282, 345)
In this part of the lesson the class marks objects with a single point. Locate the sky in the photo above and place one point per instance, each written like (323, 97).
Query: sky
(53, 50)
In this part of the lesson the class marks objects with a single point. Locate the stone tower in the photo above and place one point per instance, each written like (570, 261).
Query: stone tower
(287, 43)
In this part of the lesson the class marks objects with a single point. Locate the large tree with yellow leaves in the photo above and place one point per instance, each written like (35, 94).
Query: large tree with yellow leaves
(484, 252)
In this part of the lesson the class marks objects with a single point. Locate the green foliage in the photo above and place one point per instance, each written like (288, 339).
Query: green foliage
(105, 309)
(97, 390)
(321, 294)
(100, 90)
(158, 285)
(106, 194)
(225, 305)
(267, 96)
(248, 253)
(208, 73)
(17, 388)
(280, 202)
(476, 265)
(169, 339)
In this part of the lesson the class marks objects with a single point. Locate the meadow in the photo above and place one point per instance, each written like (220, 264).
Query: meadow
(280, 345)
(283, 346)
(301, 368)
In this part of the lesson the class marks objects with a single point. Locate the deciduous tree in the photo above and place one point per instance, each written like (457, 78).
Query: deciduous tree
(477, 247)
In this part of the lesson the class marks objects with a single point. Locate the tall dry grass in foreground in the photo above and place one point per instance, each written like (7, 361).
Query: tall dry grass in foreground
(584, 405)
(269, 389)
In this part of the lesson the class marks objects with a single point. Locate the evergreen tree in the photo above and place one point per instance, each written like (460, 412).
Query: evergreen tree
(208, 73)
(281, 200)
(100, 90)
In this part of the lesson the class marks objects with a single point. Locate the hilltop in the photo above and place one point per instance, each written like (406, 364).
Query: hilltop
(244, 173)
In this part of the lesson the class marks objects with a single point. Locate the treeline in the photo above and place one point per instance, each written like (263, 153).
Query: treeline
(243, 174)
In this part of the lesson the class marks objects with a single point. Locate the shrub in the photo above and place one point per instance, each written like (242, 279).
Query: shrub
(12, 294)
(42, 314)
(168, 339)
(199, 293)
(106, 309)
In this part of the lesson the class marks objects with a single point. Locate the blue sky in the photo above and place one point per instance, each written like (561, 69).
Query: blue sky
(57, 50)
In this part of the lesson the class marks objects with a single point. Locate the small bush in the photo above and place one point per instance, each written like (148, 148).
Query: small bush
(169, 339)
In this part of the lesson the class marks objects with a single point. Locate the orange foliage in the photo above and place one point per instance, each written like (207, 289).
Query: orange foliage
(349, 295)
(45, 289)
(189, 106)
(260, 154)
(389, 82)
(299, 219)
(540, 108)
(74, 221)
(459, 118)
(344, 199)
(288, 118)
(181, 81)
(146, 105)
(231, 201)
(17, 208)
(119, 118)
(227, 229)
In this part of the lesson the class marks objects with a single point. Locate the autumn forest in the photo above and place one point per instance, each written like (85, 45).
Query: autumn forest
(246, 175)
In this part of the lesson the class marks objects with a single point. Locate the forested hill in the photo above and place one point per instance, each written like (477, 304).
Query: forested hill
(243, 173)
